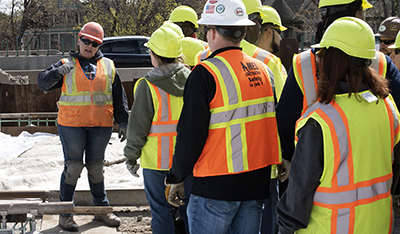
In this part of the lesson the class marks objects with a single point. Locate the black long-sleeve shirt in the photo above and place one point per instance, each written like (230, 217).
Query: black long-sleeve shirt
(50, 79)
(192, 134)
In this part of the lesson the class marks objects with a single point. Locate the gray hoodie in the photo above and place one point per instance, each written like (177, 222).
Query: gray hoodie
(171, 78)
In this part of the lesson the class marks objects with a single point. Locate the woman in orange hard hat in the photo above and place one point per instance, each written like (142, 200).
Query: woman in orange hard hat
(92, 97)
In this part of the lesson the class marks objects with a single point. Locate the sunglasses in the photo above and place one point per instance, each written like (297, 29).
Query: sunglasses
(88, 42)
(206, 29)
(386, 42)
(397, 51)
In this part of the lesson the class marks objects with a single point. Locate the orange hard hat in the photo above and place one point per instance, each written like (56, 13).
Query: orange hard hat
(93, 31)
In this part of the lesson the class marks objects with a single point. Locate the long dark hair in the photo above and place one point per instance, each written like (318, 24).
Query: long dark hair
(335, 66)
(328, 17)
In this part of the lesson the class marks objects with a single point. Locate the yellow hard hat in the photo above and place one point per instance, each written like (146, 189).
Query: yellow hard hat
(351, 35)
(396, 44)
(253, 6)
(190, 47)
(270, 15)
(174, 27)
(182, 14)
(326, 3)
(225, 13)
(165, 43)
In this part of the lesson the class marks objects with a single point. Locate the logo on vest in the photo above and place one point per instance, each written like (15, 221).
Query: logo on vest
(253, 74)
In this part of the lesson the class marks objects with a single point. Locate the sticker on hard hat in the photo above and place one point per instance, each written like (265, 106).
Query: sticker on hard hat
(394, 27)
(210, 9)
(213, 1)
(220, 9)
(382, 28)
(239, 11)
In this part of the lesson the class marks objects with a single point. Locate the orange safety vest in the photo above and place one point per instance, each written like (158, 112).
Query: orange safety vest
(354, 191)
(243, 132)
(84, 102)
(305, 72)
(158, 151)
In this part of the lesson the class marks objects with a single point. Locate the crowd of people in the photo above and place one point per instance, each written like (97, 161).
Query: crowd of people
(229, 141)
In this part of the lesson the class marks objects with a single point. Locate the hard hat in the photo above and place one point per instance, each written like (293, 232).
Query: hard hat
(93, 31)
(389, 27)
(351, 35)
(225, 13)
(396, 44)
(190, 47)
(182, 14)
(165, 43)
(174, 27)
(326, 3)
(252, 6)
(270, 15)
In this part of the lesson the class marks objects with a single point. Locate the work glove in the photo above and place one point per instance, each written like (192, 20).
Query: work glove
(64, 69)
(132, 167)
(283, 170)
(122, 131)
(174, 193)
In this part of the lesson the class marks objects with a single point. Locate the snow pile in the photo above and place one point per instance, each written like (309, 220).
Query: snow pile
(35, 162)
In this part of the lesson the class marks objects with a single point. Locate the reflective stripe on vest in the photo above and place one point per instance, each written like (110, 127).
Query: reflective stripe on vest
(232, 115)
(73, 97)
(379, 64)
(305, 71)
(159, 148)
(345, 193)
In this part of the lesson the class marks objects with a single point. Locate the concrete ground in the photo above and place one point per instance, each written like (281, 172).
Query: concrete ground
(133, 220)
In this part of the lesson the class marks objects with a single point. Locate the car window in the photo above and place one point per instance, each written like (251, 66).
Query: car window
(143, 49)
(126, 47)
(106, 48)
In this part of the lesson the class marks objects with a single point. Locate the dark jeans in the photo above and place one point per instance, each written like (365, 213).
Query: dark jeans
(77, 141)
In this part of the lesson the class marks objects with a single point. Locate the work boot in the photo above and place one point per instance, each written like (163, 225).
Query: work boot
(67, 223)
(110, 219)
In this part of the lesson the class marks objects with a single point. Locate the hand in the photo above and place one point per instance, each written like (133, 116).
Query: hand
(133, 168)
(174, 193)
(283, 170)
(122, 133)
(64, 69)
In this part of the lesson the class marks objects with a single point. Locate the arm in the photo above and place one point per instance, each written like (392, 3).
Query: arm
(140, 120)
(295, 206)
(120, 102)
(50, 79)
(193, 124)
(393, 75)
(288, 112)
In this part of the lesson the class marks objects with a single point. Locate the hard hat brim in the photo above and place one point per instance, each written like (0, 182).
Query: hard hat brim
(242, 22)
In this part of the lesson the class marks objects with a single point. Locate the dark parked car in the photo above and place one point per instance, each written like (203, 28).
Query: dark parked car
(127, 51)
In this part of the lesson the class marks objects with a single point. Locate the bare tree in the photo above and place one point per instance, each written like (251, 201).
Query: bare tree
(310, 15)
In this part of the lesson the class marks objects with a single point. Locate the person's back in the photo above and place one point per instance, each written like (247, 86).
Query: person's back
(231, 98)
(158, 101)
(343, 183)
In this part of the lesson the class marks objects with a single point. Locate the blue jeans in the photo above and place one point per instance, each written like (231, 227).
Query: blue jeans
(91, 141)
(162, 222)
(269, 223)
(221, 217)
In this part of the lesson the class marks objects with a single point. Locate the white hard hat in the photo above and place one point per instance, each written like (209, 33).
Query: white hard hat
(225, 13)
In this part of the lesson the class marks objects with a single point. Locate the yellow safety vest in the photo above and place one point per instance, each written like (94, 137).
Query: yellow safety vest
(354, 191)
(243, 130)
(305, 72)
(159, 149)
(84, 102)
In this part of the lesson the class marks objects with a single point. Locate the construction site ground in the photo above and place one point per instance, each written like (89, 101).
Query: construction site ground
(134, 219)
